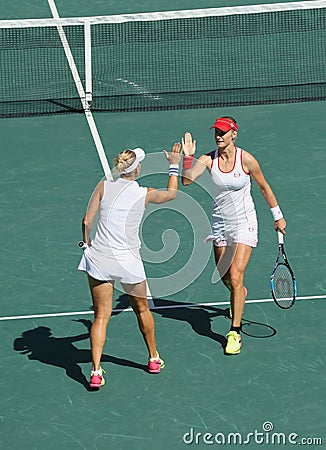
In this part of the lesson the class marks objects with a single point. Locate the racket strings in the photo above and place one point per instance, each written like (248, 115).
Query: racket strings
(283, 284)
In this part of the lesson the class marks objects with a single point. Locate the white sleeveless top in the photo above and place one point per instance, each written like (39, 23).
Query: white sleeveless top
(233, 203)
(121, 211)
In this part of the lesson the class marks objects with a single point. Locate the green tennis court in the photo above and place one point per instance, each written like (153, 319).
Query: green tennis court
(269, 395)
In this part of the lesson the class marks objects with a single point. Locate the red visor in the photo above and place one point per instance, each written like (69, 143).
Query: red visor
(225, 124)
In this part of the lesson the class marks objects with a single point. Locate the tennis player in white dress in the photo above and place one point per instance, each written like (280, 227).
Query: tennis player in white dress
(234, 230)
(113, 254)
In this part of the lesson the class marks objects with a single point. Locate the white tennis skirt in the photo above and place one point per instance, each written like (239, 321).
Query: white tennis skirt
(229, 235)
(126, 267)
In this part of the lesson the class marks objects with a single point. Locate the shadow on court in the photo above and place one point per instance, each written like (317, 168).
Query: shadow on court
(40, 345)
(198, 317)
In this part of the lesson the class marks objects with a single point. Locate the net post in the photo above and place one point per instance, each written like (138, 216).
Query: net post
(88, 63)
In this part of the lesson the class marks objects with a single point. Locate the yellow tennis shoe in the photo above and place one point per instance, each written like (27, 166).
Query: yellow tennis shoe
(234, 343)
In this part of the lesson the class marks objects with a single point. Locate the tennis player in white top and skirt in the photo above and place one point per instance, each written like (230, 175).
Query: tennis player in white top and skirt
(233, 223)
(113, 254)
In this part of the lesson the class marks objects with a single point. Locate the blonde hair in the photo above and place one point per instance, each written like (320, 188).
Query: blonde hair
(124, 160)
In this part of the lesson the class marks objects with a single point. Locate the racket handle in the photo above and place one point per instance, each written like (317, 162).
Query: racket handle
(82, 245)
(280, 237)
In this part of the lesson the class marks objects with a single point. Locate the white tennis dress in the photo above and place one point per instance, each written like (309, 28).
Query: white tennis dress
(234, 217)
(114, 251)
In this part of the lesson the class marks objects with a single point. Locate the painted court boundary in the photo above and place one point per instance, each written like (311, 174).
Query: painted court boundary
(185, 305)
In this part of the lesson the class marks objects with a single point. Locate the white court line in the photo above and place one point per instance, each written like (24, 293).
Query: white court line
(185, 305)
(82, 94)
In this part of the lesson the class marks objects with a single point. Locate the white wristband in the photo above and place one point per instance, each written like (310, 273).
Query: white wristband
(276, 213)
(174, 170)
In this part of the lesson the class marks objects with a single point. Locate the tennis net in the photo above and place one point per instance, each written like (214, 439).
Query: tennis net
(213, 57)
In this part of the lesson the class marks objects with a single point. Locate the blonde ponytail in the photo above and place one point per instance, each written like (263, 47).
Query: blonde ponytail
(124, 160)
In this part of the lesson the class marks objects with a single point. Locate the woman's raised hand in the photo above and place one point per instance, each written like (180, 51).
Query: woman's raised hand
(188, 145)
(174, 156)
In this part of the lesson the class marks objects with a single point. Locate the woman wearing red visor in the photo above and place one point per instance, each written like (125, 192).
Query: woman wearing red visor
(234, 221)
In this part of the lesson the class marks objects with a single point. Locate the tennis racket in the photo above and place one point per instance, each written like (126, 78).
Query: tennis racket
(283, 282)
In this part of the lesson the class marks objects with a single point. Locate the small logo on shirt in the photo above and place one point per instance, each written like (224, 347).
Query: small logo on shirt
(237, 174)
(251, 229)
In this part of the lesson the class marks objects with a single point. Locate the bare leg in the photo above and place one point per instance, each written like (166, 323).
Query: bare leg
(139, 303)
(233, 278)
(102, 301)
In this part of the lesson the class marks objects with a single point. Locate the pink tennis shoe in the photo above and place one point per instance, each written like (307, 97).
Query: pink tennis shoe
(155, 364)
(97, 380)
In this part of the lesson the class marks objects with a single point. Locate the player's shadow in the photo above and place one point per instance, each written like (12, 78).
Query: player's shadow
(40, 345)
(198, 317)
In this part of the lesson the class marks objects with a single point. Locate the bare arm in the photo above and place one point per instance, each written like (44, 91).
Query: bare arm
(189, 149)
(190, 175)
(251, 165)
(92, 209)
(170, 193)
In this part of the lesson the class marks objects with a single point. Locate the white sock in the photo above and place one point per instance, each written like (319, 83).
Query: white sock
(155, 357)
